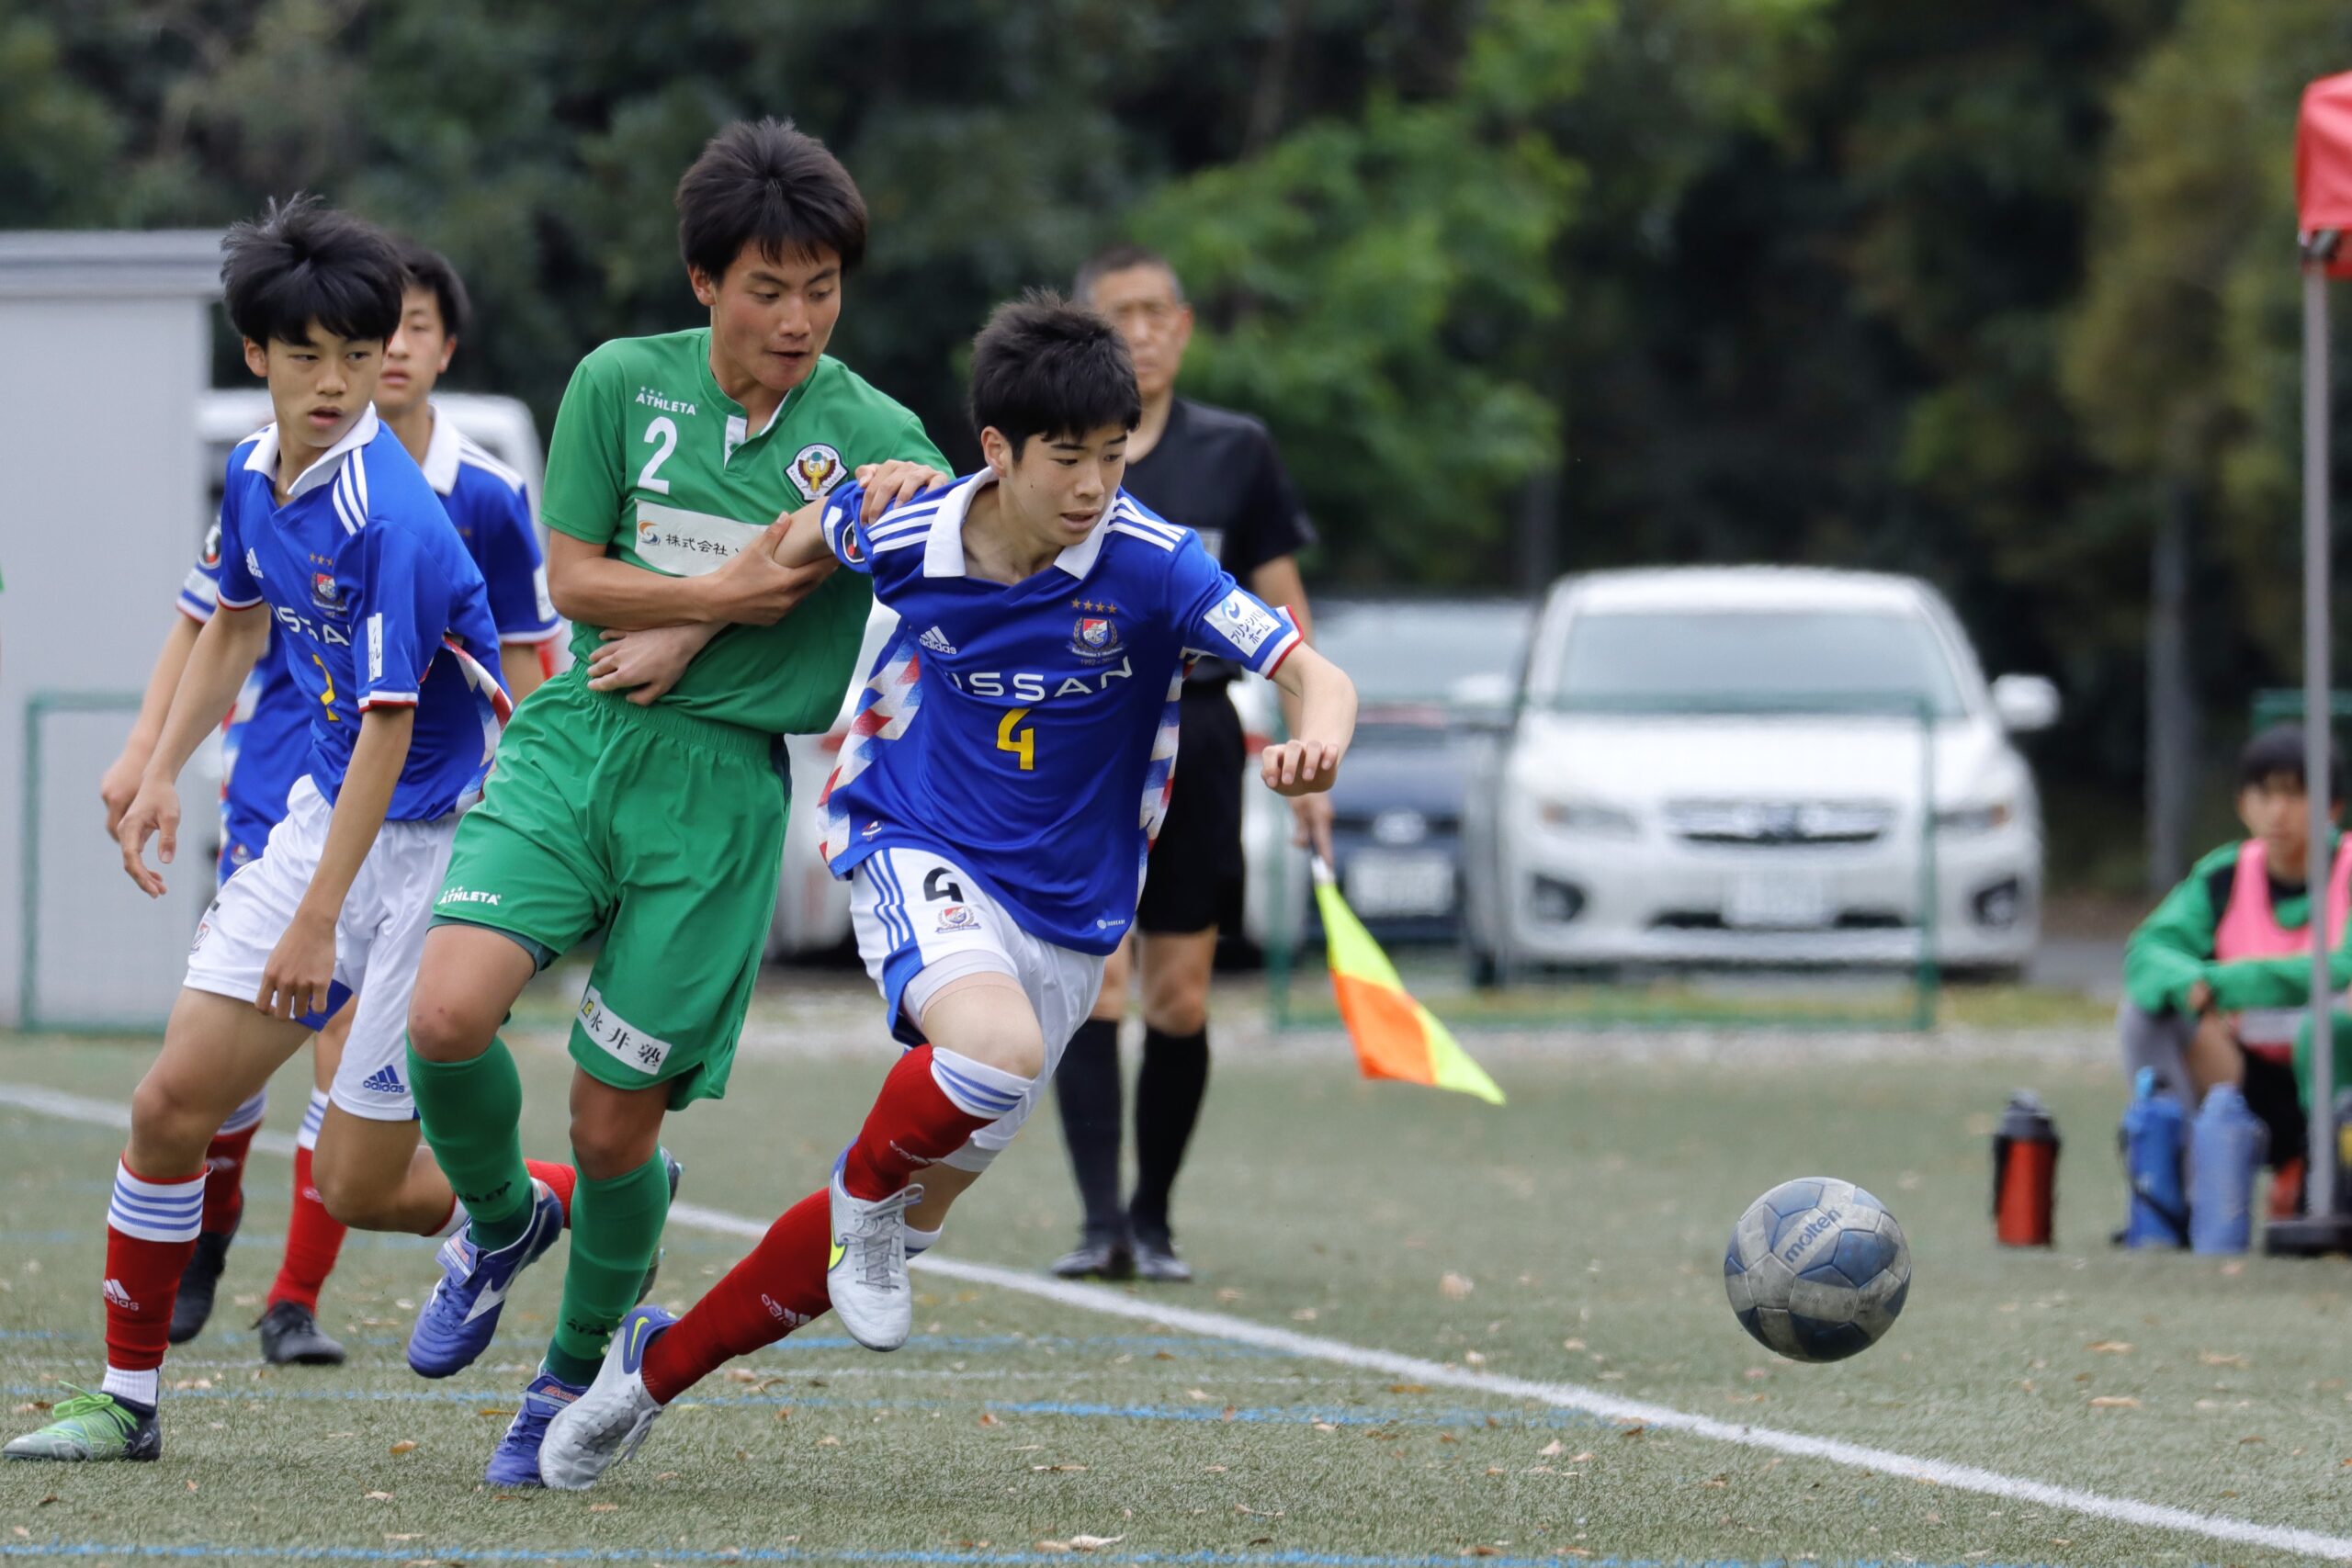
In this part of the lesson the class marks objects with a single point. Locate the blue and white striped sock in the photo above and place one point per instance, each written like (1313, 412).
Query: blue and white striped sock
(308, 1138)
(249, 1114)
(976, 1088)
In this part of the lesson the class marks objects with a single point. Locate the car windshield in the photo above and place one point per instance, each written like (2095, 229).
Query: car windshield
(1662, 660)
(1408, 652)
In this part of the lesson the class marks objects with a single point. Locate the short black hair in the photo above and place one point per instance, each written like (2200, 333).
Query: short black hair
(429, 269)
(300, 262)
(1119, 258)
(769, 184)
(1044, 366)
(2280, 749)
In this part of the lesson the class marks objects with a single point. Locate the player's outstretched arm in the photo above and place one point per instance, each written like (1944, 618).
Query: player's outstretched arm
(119, 783)
(223, 657)
(302, 966)
(1327, 723)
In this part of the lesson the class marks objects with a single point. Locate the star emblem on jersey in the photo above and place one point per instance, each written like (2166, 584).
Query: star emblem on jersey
(936, 640)
(816, 470)
(1096, 637)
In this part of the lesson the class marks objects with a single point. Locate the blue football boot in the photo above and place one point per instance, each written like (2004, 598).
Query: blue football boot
(457, 1321)
(515, 1462)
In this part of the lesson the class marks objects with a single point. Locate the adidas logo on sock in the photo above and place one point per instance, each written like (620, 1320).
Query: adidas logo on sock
(936, 640)
(117, 1296)
(384, 1080)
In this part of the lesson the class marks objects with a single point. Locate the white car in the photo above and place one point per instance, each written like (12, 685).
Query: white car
(1757, 765)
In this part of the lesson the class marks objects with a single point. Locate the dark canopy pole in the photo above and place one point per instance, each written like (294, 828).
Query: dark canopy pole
(2323, 206)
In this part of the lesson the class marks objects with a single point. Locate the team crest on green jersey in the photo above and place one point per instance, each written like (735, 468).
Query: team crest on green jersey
(816, 470)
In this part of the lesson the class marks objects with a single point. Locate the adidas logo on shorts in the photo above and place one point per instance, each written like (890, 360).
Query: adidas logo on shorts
(384, 1080)
(936, 640)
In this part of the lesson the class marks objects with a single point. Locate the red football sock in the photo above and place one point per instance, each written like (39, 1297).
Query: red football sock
(313, 1241)
(224, 1179)
(779, 1287)
(558, 1176)
(151, 1234)
(913, 1123)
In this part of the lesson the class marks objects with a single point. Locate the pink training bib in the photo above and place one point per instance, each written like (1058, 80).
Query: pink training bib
(2251, 929)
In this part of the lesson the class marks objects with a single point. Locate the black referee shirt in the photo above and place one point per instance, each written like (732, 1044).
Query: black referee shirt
(1216, 472)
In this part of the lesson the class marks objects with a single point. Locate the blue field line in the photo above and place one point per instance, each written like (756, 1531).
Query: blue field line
(929, 1559)
(1178, 1349)
(1209, 1413)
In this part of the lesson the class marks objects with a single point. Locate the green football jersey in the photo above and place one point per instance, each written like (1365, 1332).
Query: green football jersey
(652, 461)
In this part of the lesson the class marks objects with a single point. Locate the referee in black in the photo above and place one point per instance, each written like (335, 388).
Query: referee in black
(1215, 472)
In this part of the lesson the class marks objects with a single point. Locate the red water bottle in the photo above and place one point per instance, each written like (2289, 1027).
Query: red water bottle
(2025, 1174)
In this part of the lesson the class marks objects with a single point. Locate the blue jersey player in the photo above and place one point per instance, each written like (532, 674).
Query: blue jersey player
(992, 806)
(332, 542)
(264, 749)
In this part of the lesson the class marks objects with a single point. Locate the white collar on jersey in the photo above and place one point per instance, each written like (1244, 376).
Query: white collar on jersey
(440, 463)
(943, 553)
(264, 460)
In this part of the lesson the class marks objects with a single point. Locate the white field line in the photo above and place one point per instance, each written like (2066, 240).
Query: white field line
(1415, 1369)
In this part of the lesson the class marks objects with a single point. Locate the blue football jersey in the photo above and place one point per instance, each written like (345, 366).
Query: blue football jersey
(376, 602)
(491, 508)
(1028, 731)
(267, 739)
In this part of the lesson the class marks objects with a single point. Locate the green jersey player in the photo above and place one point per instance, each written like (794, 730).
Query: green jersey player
(643, 793)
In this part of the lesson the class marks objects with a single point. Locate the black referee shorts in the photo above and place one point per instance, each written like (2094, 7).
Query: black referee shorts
(1194, 878)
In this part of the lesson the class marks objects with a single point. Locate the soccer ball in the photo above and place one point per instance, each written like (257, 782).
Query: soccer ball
(1817, 1270)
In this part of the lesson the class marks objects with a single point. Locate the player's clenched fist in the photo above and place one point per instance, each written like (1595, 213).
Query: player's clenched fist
(1299, 767)
(153, 813)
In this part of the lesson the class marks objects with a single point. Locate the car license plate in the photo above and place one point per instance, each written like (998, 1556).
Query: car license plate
(1776, 901)
(1388, 885)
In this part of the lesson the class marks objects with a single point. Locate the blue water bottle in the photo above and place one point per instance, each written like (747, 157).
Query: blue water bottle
(2152, 1137)
(2225, 1148)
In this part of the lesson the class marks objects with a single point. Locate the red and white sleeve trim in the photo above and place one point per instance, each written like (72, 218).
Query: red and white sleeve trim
(388, 700)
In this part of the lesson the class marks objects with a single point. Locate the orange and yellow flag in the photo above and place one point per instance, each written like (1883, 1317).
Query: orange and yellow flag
(1396, 1037)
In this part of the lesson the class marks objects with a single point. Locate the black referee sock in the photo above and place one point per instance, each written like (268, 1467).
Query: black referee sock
(1086, 1086)
(1169, 1092)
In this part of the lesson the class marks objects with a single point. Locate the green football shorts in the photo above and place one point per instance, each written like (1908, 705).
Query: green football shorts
(664, 828)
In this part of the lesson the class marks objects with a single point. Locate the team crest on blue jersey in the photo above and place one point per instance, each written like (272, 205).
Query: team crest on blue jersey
(1096, 637)
(957, 917)
(323, 591)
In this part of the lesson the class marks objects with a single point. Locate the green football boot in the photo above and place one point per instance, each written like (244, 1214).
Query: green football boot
(91, 1426)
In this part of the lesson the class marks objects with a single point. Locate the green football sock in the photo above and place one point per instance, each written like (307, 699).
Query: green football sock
(615, 1232)
(472, 1114)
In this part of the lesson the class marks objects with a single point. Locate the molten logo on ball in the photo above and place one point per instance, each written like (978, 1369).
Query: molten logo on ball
(1817, 1270)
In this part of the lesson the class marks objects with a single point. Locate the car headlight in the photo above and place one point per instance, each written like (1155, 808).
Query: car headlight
(1980, 818)
(1587, 819)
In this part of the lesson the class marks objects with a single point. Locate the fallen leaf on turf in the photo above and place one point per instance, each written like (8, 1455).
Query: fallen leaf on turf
(1633, 1431)
(333, 1435)
(1228, 1295)
(1304, 1314)
(1718, 1481)
(1409, 1388)
(1551, 1449)
(1057, 1467)
(191, 1485)
(45, 1501)
(1229, 1412)
(1201, 1394)
(989, 1419)
(1095, 1543)
(2219, 1358)
(1325, 1427)
(604, 1507)
(667, 1476)
(501, 1414)
(1455, 1287)
(1496, 1469)
(829, 1441)
(2252, 1437)
(1057, 1547)
(1578, 1459)
(1164, 1355)
(1485, 1552)
(1475, 1357)
(372, 1497)
(2114, 1402)
(1219, 1470)
(405, 1446)
(1571, 1343)
(2232, 1270)
(2111, 1346)
(1261, 1540)
(738, 1374)
(1570, 1551)
(1256, 1513)
(785, 1413)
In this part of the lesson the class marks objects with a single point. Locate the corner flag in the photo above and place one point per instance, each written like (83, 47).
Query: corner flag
(1394, 1036)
